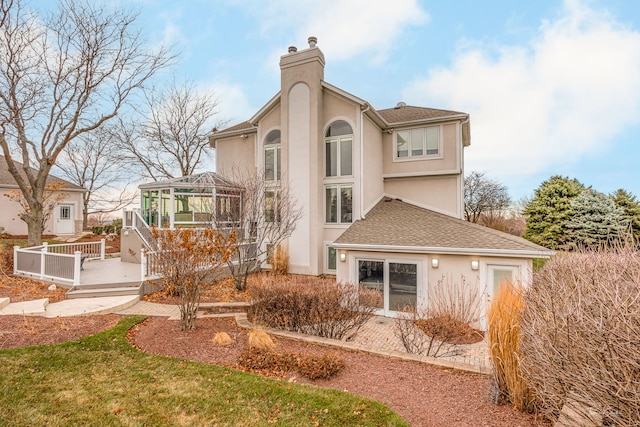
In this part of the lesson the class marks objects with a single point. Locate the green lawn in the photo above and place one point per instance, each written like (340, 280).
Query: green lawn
(102, 380)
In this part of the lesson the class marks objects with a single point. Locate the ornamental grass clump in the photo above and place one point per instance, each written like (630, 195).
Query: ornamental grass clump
(504, 346)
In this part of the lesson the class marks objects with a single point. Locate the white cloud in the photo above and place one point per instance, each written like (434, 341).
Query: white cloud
(232, 102)
(344, 28)
(569, 92)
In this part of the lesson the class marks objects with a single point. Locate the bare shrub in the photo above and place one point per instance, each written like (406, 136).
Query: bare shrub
(460, 300)
(580, 334)
(417, 341)
(454, 307)
(504, 341)
(261, 360)
(319, 367)
(311, 306)
(187, 256)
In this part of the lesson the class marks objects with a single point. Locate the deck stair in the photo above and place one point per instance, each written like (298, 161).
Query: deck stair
(106, 290)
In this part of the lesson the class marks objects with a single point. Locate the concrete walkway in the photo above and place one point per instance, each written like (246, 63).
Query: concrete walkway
(67, 308)
(376, 336)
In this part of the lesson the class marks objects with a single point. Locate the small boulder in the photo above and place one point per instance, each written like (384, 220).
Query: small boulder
(52, 288)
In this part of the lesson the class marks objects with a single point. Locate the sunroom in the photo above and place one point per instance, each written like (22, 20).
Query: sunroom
(189, 201)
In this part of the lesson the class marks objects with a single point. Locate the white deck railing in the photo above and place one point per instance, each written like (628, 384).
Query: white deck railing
(57, 263)
(131, 219)
(150, 267)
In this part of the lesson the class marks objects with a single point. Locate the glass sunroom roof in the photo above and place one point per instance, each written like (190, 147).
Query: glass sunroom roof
(201, 180)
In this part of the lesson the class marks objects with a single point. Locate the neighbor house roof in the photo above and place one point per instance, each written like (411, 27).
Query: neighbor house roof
(7, 180)
(399, 226)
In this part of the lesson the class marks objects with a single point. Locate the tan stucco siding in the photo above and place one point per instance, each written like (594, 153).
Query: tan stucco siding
(236, 153)
(10, 213)
(436, 192)
(449, 161)
(372, 182)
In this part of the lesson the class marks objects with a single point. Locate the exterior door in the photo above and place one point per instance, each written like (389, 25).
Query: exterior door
(65, 222)
(396, 281)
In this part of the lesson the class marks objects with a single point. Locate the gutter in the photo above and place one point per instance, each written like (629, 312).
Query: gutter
(446, 250)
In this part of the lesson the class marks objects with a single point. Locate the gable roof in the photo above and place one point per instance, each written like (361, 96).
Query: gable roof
(395, 225)
(7, 180)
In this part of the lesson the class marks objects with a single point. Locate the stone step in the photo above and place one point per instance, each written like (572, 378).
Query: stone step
(104, 292)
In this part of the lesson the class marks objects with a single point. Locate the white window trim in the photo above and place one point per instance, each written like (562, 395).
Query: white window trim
(327, 270)
(411, 158)
(338, 186)
(420, 283)
(339, 139)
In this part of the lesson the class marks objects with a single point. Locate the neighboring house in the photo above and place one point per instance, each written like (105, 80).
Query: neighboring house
(381, 190)
(66, 217)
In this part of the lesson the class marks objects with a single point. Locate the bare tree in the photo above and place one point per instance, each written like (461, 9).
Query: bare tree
(61, 77)
(186, 258)
(94, 163)
(264, 218)
(173, 141)
(484, 197)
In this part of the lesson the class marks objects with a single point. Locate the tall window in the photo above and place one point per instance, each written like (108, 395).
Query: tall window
(338, 149)
(272, 156)
(272, 205)
(419, 142)
(339, 203)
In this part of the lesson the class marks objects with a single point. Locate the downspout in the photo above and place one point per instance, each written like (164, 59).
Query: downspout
(362, 111)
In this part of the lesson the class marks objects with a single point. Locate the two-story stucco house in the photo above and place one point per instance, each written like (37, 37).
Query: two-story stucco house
(382, 190)
(66, 218)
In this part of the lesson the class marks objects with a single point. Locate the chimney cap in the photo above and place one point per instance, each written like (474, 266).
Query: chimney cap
(313, 40)
(292, 49)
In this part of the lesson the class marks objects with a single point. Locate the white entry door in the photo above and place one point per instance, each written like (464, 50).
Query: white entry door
(64, 220)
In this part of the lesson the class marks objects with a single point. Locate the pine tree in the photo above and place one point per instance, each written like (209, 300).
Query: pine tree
(631, 210)
(549, 210)
(596, 221)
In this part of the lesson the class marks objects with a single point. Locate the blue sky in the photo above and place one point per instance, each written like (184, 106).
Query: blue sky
(552, 87)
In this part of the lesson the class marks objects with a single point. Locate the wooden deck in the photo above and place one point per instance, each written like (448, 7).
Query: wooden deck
(110, 271)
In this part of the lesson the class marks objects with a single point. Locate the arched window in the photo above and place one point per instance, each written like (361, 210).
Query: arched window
(272, 156)
(338, 149)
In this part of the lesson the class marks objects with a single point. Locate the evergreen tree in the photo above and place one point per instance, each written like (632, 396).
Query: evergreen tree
(549, 210)
(630, 208)
(596, 221)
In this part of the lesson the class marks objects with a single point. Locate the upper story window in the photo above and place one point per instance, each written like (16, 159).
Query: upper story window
(338, 145)
(417, 143)
(272, 156)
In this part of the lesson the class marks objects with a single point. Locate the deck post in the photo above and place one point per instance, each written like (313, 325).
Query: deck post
(143, 264)
(77, 260)
(102, 248)
(15, 259)
(43, 251)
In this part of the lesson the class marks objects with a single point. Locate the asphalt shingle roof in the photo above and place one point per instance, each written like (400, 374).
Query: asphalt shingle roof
(6, 179)
(240, 126)
(408, 113)
(395, 223)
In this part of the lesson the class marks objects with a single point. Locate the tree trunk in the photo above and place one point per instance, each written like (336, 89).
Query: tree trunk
(35, 225)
